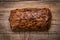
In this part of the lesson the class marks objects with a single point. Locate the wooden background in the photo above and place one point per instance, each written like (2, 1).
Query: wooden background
(6, 32)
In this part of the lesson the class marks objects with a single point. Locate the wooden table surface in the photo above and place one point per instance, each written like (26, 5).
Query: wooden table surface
(6, 32)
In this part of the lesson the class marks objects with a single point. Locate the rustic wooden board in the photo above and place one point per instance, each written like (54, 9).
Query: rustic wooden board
(6, 32)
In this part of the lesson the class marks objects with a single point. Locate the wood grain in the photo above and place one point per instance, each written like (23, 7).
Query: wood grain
(5, 30)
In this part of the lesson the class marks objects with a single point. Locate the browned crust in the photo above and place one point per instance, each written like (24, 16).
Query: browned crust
(43, 27)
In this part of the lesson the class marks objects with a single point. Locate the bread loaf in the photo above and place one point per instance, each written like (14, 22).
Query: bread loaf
(30, 19)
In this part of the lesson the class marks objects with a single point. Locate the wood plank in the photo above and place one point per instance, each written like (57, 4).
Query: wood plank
(5, 31)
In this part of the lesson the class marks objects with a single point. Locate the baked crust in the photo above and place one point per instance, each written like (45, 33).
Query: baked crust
(30, 19)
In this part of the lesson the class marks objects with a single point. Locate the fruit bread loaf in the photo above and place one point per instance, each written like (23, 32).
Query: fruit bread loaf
(30, 19)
